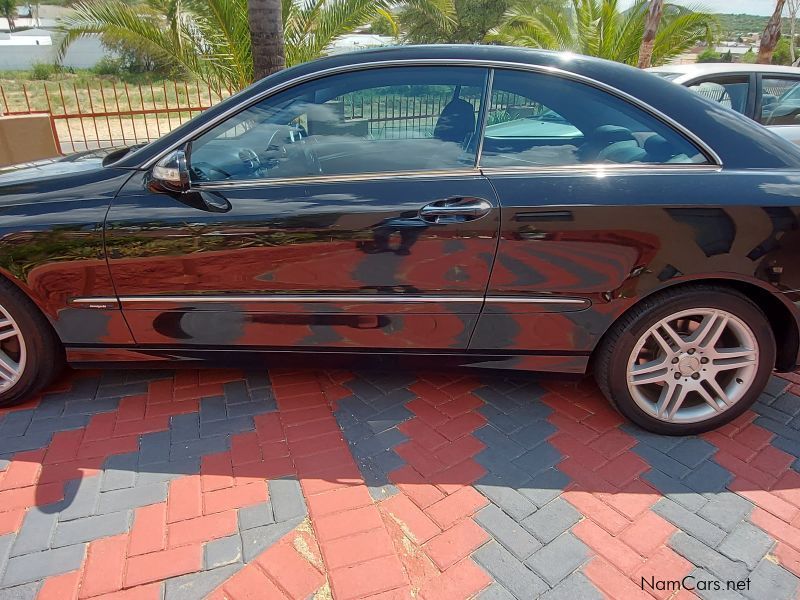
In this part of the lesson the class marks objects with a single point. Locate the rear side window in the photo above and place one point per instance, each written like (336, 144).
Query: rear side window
(545, 120)
(730, 91)
(780, 101)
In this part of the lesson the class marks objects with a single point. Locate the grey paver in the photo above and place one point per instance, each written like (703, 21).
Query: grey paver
(574, 587)
(510, 500)
(140, 495)
(675, 490)
(198, 585)
(545, 487)
(509, 572)
(120, 472)
(708, 477)
(495, 592)
(258, 539)
(707, 558)
(287, 499)
(706, 532)
(769, 580)
(256, 515)
(35, 533)
(551, 520)
(80, 498)
(746, 543)
(559, 558)
(507, 531)
(537, 460)
(38, 565)
(663, 462)
(91, 528)
(725, 510)
(223, 551)
(692, 451)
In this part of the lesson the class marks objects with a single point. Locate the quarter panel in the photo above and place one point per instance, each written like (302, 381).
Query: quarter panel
(615, 236)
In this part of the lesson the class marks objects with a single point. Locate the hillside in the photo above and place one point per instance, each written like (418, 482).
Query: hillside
(736, 25)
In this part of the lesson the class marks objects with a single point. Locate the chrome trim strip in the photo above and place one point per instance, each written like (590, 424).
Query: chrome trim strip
(314, 179)
(705, 148)
(485, 105)
(307, 298)
(91, 300)
(518, 300)
(599, 169)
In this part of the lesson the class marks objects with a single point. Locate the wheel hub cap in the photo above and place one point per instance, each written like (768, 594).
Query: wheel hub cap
(688, 365)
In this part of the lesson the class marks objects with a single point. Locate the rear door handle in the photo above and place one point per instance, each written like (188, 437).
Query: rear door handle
(455, 210)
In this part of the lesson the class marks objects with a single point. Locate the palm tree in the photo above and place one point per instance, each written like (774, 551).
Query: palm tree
(599, 28)
(654, 15)
(266, 36)
(449, 21)
(8, 9)
(210, 39)
(771, 36)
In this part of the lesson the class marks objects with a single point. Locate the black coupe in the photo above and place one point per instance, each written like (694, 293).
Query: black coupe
(479, 206)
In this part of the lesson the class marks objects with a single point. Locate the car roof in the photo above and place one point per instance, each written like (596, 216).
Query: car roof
(688, 71)
(740, 142)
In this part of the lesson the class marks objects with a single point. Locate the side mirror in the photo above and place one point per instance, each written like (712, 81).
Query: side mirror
(171, 173)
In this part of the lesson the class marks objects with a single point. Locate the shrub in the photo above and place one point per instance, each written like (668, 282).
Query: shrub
(43, 71)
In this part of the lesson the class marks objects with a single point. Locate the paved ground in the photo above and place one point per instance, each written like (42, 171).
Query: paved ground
(135, 485)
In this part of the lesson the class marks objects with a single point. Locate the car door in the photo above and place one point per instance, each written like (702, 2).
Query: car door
(344, 212)
(778, 105)
(585, 214)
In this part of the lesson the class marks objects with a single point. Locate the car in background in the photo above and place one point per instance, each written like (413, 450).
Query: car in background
(768, 94)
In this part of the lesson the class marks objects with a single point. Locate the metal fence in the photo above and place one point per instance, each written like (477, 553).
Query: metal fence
(108, 114)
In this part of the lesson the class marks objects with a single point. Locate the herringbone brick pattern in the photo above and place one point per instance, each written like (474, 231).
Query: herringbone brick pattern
(301, 484)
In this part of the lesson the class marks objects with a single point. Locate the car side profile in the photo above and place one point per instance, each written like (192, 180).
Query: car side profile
(477, 206)
(768, 94)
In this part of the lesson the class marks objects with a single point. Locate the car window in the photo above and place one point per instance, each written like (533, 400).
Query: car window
(731, 91)
(538, 119)
(780, 101)
(369, 121)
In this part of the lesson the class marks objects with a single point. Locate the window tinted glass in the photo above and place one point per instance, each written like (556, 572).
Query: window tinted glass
(371, 121)
(780, 101)
(728, 91)
(544, 120)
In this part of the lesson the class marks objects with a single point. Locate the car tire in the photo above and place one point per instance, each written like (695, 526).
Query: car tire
(30, 354)
(713, 371)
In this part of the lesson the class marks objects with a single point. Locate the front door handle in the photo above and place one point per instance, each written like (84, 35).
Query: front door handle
(455, 210)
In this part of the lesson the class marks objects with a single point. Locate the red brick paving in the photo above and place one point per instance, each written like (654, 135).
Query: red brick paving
(424, 540)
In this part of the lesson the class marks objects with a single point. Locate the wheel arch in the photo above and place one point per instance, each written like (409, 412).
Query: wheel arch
(784, 318)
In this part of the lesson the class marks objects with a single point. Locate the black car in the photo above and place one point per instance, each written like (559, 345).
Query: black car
(478, 206)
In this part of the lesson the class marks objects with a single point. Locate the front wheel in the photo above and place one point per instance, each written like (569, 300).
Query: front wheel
(30, 354)
(687, 361)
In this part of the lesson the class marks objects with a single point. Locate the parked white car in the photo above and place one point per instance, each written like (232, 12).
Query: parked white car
(765, 93)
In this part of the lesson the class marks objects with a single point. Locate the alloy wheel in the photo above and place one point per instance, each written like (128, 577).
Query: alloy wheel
(12, 351)
(693, 365)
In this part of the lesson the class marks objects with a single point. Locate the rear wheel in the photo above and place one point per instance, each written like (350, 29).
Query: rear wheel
(30, 354)
(687, 361)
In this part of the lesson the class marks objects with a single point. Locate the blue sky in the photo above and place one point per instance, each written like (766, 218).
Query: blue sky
(751, 7)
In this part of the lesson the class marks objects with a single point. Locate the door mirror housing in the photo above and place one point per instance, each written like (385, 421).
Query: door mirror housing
(171, 173)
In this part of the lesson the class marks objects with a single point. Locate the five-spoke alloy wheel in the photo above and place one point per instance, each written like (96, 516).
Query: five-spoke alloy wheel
(30, 353)
(688, 360)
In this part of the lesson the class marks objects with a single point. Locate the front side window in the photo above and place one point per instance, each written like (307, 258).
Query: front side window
(370, 121)
(780, 101)
(730, 91)
(544, 120)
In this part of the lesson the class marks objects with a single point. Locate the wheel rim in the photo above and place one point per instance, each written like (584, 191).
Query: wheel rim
(12, 351)
(693, 365)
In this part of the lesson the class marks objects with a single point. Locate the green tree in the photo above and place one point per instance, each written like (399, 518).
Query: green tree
(449, 21)
(599, 28)
(8, 9)
(709, 55)
(210, 39)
